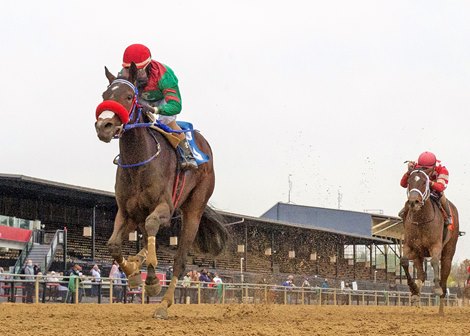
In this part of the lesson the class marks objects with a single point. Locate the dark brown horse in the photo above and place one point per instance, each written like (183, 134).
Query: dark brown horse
(426, 236)
(148, 192)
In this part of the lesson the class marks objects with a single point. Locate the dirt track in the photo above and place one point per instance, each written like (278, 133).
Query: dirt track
(219, 320)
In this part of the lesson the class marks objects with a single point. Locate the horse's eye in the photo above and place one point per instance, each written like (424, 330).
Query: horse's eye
(129, 97)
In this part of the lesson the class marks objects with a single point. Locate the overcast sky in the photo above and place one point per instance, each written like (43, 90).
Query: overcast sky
(336, 94)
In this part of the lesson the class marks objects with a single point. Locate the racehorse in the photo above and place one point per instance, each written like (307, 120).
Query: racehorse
(426, 236)
(150, 187)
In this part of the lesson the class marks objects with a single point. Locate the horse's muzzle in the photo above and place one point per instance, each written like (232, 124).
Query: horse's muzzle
(415, 204)
(105, 129)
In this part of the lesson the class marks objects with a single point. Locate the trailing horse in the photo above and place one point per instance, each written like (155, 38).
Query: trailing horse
(427, 236)
(150, 187)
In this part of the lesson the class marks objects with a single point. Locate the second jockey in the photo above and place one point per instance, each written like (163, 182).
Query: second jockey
(438, 177)
(159, 87)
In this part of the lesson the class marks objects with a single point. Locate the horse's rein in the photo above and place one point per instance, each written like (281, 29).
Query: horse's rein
(424, 195)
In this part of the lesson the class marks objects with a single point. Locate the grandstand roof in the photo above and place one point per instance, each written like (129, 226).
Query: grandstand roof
(25, 185)
(348, 238)
(349, 222)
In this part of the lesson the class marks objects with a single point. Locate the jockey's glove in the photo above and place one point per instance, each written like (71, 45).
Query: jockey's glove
(156, 110)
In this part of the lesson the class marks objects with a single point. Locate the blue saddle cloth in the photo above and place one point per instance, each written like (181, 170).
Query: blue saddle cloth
(199, 155)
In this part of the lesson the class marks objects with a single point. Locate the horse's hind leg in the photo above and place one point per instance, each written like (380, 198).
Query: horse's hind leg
(435, 253)
(160, 215)
(188, 233)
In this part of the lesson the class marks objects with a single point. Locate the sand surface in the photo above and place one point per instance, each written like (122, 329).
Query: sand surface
(219, 320)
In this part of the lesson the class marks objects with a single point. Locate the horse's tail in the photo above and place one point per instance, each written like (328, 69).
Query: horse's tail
(212, 235)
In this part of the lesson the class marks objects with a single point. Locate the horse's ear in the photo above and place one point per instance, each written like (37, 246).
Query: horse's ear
(132, 73)
(109, 75)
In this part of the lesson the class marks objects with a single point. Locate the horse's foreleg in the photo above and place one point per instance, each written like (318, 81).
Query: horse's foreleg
(160, 215)
(188, 234)
(130, 267)
(405, 264)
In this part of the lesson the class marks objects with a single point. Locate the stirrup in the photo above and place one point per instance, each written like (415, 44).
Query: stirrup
(187, 158)
(188, 164)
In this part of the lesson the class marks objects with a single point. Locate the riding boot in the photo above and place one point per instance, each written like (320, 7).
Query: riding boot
(187, 158)
(445, 206)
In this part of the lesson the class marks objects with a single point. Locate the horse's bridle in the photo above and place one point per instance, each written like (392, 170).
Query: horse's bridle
(424, 195)
(135, 106)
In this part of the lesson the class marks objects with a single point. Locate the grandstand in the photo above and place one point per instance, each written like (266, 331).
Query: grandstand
(288, 238)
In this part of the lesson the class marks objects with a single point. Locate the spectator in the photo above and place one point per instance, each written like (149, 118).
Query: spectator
(37, 269)
(76, 272)
(325, 284)
(96, 274)
(306, 287)
(118, 282)
(194, 284)
(289, 282)
(185, 284)
(205, 280)
(2, 277)
(169, 275)
(29, 281)
(219, 287)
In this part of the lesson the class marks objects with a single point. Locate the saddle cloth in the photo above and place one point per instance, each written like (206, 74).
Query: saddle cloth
(199, 155)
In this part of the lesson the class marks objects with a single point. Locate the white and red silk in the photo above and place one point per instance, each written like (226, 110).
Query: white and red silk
(115, 107)
(439, 178)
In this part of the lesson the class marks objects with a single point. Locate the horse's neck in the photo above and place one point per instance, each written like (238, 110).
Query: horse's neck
(427, 213)
(137, 146)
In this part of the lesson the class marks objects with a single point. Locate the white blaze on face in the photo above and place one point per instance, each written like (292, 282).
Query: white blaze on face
(106, 114)
(417, 178)
(113, 89)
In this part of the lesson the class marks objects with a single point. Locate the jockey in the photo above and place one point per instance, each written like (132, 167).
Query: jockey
(438, 177)
(160, 89)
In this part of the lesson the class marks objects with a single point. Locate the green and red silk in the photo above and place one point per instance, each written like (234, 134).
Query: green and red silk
(163, 84)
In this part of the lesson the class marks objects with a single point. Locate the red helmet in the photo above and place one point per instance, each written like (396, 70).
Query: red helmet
(137, 53)
(427, 159)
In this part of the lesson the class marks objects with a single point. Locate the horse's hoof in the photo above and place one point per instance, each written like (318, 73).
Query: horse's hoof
(161, 313)
(415, 300)
(135, 280)
(419, 284)
(153, 290)
(438, 291)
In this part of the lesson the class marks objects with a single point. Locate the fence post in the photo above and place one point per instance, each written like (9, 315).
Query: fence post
(110, 291)
(399, 299)
(363, 298)
(335, 301)
(143, 294)
(319, 297)
(265, 294)
(199, 293)
(77, 283)
(36, 289)
(223, 293)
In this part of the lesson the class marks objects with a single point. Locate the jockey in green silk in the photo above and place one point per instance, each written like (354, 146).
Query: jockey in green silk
(159, 87)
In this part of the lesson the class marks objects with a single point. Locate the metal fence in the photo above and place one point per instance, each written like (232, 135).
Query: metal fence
(39, 289)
